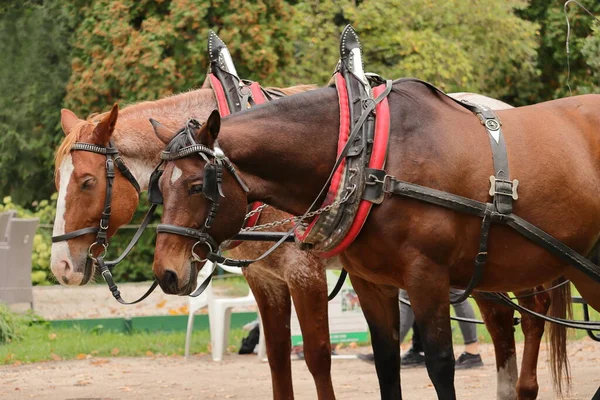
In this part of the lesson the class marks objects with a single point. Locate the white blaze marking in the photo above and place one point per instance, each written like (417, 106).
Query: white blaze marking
(60, 250)
(176, 174)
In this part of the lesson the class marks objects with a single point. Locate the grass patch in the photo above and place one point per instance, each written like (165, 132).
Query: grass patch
(43, 343)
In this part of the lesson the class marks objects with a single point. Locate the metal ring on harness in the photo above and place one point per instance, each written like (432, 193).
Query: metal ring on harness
(195, 256)
(104, 250)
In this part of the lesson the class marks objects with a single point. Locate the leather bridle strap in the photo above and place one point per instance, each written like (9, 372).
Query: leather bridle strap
(136, 237)
(202, 236)
(74, 234)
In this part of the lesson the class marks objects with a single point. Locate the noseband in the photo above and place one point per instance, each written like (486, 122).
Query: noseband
(212, 185)
(112, 158)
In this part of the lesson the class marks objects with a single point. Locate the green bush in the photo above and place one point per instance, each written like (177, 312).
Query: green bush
(12, 325)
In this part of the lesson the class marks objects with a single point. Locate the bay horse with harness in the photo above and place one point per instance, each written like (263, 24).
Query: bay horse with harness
(428, 194)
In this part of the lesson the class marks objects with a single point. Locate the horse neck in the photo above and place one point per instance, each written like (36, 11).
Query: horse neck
(134, 136)
(286, 149)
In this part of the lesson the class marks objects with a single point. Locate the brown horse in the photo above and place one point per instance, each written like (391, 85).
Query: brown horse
(80, 180)
(285, 151)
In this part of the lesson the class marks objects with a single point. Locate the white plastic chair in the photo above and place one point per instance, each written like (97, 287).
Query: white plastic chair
(219, 316)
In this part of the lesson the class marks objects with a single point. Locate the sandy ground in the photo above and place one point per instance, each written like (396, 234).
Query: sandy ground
(96, 301)
(238, 377)
(244, 377)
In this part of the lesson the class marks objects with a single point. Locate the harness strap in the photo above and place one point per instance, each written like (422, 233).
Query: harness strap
(585, 325)
(136, 237)
(338, 285)
(462, 204)
(481, 257)
(187, 232)
(74, 234)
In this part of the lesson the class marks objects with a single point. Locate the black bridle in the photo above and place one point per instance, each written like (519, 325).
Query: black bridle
(112, 159)
(212, 189)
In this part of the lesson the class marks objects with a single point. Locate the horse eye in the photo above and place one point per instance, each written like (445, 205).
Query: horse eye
(88, 183)
(195, 189)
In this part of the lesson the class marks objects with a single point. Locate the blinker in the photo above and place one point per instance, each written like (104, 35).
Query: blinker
(154, 194)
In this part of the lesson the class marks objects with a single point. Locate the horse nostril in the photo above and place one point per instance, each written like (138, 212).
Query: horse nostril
(66, 269)
(170, 280)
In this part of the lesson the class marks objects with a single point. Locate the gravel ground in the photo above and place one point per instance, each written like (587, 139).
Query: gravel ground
(243, 377)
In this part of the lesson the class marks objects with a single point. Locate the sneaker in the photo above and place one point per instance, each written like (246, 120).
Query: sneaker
(412, 359)
(370, 358)
(468, 360)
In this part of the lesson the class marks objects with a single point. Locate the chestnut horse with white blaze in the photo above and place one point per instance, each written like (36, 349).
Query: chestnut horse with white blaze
(80, 180)
(284, 151)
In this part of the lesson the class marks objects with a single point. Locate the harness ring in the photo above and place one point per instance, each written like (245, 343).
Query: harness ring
(104, 250)
(195, 256)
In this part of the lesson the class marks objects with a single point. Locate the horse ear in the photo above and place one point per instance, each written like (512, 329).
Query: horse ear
(68, 120)
(210, 130)
(106, 126)
(162, 132)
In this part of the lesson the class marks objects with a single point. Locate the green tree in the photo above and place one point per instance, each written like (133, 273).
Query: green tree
(34, 69)
(128, 50)
(454, 44)
(552, 54)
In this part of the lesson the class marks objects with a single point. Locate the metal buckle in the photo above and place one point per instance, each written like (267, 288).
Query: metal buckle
(385, 182)
(494, 187)
(195, 256)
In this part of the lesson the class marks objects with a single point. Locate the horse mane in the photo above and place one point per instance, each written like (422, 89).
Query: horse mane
(288, 91)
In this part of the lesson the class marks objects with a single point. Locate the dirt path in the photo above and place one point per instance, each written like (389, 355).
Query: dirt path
(243, 377)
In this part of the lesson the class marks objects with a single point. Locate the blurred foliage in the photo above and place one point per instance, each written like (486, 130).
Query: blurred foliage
(452, 44)
(130, 50)
(34, 69)
(88, 54)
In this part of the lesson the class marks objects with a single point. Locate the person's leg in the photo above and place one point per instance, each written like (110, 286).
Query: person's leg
(470, 358)
(417, 343)
(414, 356)
(407, 317)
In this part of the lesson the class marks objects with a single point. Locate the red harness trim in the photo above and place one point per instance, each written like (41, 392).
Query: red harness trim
(257, 94)
(220, 95)
(382, 135)
(336, 180)
(259, 98)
